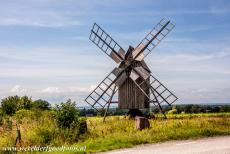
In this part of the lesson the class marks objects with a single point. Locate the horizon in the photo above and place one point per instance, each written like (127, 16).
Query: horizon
(45, 51)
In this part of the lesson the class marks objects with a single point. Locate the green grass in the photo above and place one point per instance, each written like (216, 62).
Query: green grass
(119, 132)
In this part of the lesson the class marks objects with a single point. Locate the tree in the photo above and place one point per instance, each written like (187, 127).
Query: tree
(9, 104)
(66, 114)
(225, 108)
(41, 104)
(195, 109)
(24, 102)
(187, 108)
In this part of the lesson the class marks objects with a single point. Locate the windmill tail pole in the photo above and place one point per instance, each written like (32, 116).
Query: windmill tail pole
(109, 102)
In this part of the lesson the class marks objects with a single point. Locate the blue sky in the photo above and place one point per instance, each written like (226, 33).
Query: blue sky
(45, 51)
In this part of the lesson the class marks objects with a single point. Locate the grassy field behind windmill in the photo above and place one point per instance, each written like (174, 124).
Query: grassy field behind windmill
(118, 131)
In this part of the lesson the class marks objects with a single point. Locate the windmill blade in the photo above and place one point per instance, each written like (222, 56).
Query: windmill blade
(121, 79)
(152, 39)
(105, 42)
(160, 93)
(142, 72)
(100, 96)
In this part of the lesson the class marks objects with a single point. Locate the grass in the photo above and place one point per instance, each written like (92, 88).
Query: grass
(119, 132)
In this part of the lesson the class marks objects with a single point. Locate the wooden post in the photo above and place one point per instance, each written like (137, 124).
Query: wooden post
(141, 123)
(109, 102)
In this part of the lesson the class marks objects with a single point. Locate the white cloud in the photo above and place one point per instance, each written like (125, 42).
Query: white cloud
(180, 57)
(37, 14)
(51, 90)
(18, 89)
(92, 87)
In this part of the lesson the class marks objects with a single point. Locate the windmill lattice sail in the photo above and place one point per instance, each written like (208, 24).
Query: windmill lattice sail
(152, 39)
(100, 96)
(160, 93)
(105, 42)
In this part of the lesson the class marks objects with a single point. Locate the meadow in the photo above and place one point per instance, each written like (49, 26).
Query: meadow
(38, 128)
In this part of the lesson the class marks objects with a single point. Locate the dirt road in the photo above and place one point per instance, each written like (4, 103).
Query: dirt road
(212, 145)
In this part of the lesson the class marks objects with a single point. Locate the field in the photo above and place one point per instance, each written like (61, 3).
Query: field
(117, 132)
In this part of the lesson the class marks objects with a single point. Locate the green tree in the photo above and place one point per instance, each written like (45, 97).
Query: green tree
(66, 114)
(225, 108)
(9, 104)
(41, 104)
(195, 109)
(24, 102)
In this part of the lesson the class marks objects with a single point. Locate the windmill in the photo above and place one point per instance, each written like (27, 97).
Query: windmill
(132, 79)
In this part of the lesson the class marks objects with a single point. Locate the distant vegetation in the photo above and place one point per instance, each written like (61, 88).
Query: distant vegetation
(41, 124)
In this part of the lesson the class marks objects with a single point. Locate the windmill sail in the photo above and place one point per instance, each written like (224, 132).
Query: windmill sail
(105, 42)
(160, 92)
(100, 96)
(152, 39)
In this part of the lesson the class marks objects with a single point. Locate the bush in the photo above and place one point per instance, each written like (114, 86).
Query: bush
(45, 134)
(66, 114)
(69, 122)
(1, 117)
(173, 111)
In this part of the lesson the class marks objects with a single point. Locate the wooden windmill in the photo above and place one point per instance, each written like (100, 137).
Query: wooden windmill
(132, 79)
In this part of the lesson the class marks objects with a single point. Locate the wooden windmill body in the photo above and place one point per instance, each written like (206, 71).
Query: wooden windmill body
(132, 79)
(129, 95)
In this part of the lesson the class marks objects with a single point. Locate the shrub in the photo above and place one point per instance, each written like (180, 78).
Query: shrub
(1, 117)
(173, 111)
(45, 134)
(66, 114)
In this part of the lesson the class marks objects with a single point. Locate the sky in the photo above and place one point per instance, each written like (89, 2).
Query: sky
(45, 51)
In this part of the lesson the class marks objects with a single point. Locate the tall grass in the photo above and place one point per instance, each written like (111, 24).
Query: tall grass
(117, 132)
